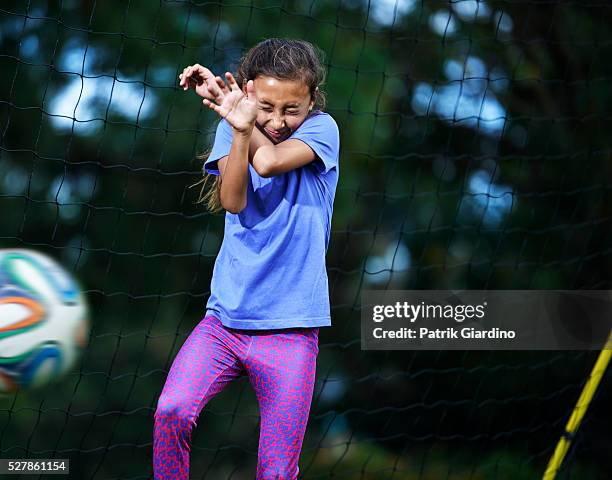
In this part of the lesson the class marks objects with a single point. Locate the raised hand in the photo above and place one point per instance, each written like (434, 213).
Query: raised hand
(238, 109)
(204, 82)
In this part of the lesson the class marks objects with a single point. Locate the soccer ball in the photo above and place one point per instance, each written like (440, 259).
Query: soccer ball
(43, 320)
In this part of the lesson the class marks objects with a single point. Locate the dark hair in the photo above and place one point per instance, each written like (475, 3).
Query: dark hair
(283, 59)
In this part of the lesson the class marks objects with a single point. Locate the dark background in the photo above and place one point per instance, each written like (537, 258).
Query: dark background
(475, 155)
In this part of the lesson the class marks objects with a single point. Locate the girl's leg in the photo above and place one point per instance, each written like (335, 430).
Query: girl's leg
(282, 367)
(205, 364)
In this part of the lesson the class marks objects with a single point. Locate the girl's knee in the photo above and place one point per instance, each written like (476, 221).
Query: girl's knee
(172, 410)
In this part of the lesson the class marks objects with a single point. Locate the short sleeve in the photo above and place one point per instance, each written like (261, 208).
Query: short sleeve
(320, 132)
(221, 147)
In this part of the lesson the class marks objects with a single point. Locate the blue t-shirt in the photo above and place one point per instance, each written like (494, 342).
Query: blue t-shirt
(270, 271)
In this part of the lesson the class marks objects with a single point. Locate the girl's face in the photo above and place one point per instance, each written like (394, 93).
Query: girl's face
(282, 106)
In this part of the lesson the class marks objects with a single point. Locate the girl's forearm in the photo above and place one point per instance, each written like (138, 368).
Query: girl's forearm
(260, 143)
(264, 160)
(258, 139)
(236, 174)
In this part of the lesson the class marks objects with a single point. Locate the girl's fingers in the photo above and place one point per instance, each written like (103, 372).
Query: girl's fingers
(232, 81)
(222, 84)
(210, 104)
(213, 88)
(189, 78)
(206, 73)
(183, 77)
(250, 90)
(216, 88)
(189, 73)
(197, 75)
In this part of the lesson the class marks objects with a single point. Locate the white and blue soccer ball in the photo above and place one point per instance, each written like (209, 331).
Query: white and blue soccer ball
(43, 320)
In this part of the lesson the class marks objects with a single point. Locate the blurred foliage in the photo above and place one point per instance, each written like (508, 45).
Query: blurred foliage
(434, 100)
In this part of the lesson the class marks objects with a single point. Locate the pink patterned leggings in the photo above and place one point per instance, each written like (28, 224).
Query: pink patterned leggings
(280, 365)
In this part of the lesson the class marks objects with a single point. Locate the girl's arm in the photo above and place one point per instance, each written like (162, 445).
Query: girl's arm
(258, 139)
(267, 158)
(316, 140)
(244, 150)
(270, 160)
(214, 90)
(235, 173)
(240, 111)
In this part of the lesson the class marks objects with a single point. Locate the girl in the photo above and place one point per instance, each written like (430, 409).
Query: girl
(275, 164)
